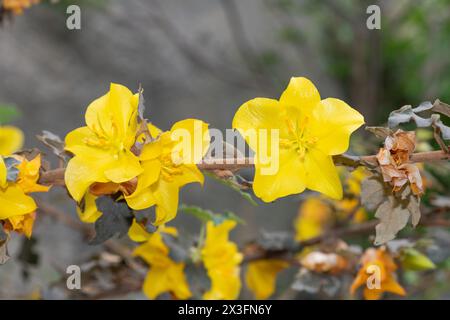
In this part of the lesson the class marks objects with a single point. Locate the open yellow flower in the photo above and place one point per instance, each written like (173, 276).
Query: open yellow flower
(169, 162)
(222, 259)
(377, 262)
(11, 140)
(165, 275)
(310, 131)
(102, 149)
(261, 276)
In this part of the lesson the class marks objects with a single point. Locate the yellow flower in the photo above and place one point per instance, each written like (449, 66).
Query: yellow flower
(373, 260)
(17, 6)
(347, 207)
(11, 140)
(313, 217)
(29, 175)
(221, 259)
(21, 224)
(165, 275)
(261, 276)
(168, 165)
(310, 131)
(13, 200)
(102, 149)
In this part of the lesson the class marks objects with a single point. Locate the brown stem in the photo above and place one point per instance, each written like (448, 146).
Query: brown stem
(56, 176)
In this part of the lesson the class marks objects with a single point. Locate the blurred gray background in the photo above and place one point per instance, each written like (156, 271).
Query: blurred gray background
(196, 58)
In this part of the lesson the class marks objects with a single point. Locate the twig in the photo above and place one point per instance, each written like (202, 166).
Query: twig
(56, 176)
(256, 252)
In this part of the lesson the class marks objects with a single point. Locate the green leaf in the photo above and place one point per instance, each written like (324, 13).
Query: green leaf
(416, 261)
(8, 113)
(207, 215)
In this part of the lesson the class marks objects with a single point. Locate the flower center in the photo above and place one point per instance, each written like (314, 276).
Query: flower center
(298, 138)
(169, 169)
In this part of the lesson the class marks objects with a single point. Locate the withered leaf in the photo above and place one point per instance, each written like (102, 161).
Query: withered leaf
(393, 218)
(380, 132)
(394, 214)
(373, 193)
(115, 220)
(12, 172)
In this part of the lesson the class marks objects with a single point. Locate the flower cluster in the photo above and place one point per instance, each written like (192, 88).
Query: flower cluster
(118, 152)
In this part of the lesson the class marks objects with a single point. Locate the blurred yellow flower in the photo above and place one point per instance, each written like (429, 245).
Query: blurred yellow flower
(11, 140)
(377, 263)
(310, 132)
(17, 6)
(313, 217)
(261, 276)
(168, 165)
(102, 149)
(221, 259)
(165, 275)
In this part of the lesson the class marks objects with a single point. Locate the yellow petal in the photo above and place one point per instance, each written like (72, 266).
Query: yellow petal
(171, 279)
(150, 174)
(114, 114)
(77, 141)
(90, 214)
(142, 200)
(166, 196)
(190, 174)
(137, 233)
(11, 140)
(3, 173)
(123, 167)
(29, 175)
(192, 140)
(290, 178)
(332, 123)
(391, 285)
(259, 114)
(322, 175)
(302, 94)
(14, 202)
(82, 172)
(261, 276)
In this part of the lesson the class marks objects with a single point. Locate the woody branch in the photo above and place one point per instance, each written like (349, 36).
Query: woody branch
(56, 176)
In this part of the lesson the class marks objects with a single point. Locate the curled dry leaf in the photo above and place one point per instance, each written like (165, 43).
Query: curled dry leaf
(392, 209)
(394, 162)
